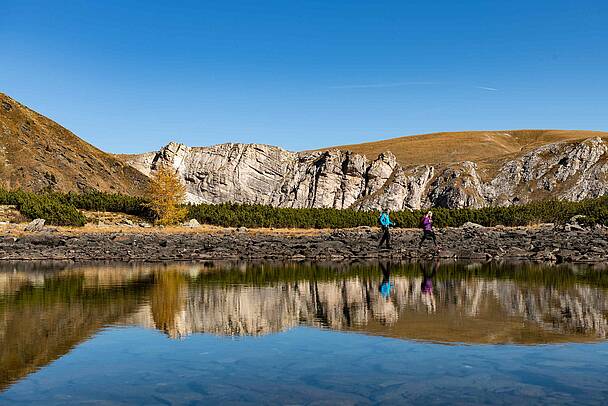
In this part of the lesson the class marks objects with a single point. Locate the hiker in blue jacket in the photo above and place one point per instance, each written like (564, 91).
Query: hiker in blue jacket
(385, 223)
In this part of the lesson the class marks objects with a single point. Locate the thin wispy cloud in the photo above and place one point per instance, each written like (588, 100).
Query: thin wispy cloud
(379, 85)
(401, 84)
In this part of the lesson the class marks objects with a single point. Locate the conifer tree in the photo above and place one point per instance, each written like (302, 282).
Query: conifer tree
(166, 194)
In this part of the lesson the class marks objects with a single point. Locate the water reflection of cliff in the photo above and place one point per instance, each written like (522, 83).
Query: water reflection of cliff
(46, 312)
(472, 310)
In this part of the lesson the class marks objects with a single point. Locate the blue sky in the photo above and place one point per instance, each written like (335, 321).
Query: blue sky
(130, 76)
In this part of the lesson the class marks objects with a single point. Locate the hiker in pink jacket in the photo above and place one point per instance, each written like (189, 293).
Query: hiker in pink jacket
(427, 227)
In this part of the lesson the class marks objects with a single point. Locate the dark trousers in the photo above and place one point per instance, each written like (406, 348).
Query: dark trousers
(386, 236)
(430, 235)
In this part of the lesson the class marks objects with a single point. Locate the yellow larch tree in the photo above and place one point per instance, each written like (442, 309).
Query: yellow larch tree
(167, 194)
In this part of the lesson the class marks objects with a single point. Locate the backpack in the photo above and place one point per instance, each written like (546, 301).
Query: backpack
(421, 225)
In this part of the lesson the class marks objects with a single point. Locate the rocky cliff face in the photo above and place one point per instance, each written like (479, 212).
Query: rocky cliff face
(254, 173)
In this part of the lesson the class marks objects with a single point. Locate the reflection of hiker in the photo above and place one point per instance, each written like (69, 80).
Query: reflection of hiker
(385, 285)
(385, 223)
(427, 227)
(426, 288)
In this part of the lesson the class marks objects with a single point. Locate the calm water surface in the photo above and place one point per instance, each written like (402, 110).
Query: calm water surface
(303, 334)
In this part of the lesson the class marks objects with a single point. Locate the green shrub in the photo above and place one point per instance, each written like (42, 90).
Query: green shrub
(109, 202)
(62, 208)
(551, 211)
(52, 210)
(46, 206)
(237, 215)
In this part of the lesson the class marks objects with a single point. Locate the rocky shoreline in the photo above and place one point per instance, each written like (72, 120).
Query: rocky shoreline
(542, 243)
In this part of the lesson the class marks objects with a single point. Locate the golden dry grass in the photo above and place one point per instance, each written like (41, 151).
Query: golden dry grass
(18, 230)
(443, 148)
(37, 153)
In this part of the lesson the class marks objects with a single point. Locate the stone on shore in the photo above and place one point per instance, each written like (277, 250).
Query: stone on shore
(192, 223)
(577, 219)
(545, 244)
(35, 225)
(574, 227)
(470, 224)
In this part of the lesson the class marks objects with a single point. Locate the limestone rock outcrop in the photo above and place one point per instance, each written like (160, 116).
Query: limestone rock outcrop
(263, 174)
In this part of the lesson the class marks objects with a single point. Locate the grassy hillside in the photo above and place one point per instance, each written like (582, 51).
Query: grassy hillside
(490, 147)
(37, 154)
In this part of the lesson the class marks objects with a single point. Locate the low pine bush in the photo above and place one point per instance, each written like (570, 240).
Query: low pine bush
(46, 206)
(246, 215)
(559, 212)
(108, 202)
(52, 210)
(62, 209)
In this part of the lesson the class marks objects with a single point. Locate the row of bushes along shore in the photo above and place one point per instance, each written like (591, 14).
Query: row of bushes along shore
(64, 209)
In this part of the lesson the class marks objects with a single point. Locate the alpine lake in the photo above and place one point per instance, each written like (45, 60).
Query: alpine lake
(303, 333)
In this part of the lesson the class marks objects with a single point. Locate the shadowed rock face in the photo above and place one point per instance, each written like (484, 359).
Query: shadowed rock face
(254, 173)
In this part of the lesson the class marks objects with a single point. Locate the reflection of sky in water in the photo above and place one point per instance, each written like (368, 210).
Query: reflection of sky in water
(133, 365)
